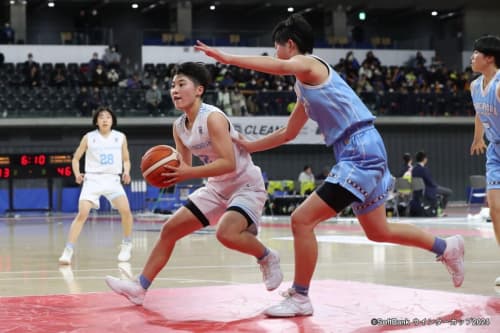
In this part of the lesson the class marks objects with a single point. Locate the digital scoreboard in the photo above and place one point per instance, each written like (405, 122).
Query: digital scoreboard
(35, 165)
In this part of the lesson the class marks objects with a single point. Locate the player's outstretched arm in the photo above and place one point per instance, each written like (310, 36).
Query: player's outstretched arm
(296, 121)
(294, 66)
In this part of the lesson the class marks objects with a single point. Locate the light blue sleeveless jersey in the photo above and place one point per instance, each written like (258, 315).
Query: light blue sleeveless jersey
(347, 126)
(333, 105)
(487, 106)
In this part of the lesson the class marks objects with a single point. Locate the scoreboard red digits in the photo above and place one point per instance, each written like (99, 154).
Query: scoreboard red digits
(4, 172)
(35, 165)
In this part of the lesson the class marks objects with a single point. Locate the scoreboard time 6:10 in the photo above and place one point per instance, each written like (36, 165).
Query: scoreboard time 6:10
(41, 165)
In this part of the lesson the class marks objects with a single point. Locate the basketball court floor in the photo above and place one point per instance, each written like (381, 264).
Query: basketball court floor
(359, 286)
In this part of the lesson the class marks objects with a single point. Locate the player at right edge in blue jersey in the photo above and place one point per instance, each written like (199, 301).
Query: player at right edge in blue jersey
(361, 176)
(485, 91)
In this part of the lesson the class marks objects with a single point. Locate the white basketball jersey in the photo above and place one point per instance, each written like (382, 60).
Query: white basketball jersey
(197, 140)
(104, 154)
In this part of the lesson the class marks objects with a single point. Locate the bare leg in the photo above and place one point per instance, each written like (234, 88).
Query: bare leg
(314, 210)
(121, 203)
(492, 197)
(304, 219)
(232, 233)
(84, 207)
(377, 229)
(181, 224)
(494, 204)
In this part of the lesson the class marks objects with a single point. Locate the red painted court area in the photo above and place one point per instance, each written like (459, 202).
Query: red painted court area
(340, 306)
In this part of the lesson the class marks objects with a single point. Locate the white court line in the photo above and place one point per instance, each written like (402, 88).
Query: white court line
(325, 264)
(175, 268)
(434, 221)
(342, 239)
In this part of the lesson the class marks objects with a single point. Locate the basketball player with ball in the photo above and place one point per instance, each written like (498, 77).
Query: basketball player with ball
(106, 157)
(233, 197)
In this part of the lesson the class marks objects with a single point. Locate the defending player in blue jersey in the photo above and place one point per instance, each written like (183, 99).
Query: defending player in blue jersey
(361, 176)
(485, 91)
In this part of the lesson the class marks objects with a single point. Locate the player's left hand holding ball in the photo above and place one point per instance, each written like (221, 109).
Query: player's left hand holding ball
(174, 175)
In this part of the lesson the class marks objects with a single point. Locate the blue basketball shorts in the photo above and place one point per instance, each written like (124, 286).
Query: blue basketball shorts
(493, 166)
(362, 169)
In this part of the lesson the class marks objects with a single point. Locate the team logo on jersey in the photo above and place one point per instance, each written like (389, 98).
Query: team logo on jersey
(200, 130)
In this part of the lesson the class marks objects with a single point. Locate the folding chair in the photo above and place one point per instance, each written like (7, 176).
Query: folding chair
(477, 190)
(307, 187)
(403, 189)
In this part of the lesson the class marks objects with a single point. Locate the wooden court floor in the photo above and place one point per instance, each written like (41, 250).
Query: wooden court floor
(349, 267)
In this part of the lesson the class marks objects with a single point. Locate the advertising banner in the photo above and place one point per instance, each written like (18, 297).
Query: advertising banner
(256, 127)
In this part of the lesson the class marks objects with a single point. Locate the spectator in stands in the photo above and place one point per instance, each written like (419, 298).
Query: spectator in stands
(350, 63)
(371, 60)
(112, 58)
(306, 174)
(8, 34)
(94, 62)
(84, 102)
(366, 70)
(252, 105)
(224, 101)
(95, 98)
(58, 77)
(129, 68)
(419, 59)
(238, 102)
(147, 80)
(33, 77)
(99, 77)
(113, 77)
(133, 82)
(28, 64)
(153, 100)
(227, 80)
(363, 85)
(437, 195)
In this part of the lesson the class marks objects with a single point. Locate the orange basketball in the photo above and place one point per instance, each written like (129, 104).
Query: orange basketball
(153, 161)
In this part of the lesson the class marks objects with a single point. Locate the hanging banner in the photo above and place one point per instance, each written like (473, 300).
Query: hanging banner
(257, 127)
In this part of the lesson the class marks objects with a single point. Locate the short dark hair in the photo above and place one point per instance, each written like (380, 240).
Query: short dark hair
(297, 29)
(489, 45)
(420, 156)
(196, 71)
(406, 157)
(103, 109)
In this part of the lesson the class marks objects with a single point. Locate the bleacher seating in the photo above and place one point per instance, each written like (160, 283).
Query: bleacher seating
(269, 95)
